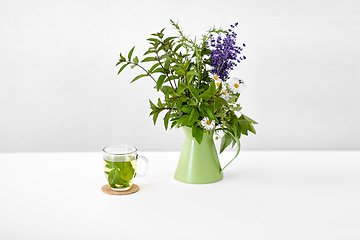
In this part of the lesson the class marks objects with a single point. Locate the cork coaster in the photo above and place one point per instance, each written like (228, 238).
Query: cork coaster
(106, 189)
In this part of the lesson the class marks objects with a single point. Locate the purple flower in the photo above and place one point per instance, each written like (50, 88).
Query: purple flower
(225, 54)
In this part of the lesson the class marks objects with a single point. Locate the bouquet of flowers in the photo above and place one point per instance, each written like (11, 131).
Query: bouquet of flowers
(193, 76)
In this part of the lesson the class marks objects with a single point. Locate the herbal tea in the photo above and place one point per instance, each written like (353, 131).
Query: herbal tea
(120, 173)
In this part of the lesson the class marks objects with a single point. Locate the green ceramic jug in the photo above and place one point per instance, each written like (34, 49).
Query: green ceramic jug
(199, 163)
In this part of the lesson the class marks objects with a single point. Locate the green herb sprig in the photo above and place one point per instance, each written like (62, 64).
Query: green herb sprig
(181, 70)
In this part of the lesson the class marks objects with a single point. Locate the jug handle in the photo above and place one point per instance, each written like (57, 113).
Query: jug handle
(238, 148)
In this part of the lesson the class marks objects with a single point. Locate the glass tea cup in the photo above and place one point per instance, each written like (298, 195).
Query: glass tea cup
(120, 163)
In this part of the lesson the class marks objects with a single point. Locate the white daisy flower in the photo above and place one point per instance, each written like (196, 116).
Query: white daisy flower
(217, 80)
(217, 83)
(206, 124)
(237, 85)
(225, 94)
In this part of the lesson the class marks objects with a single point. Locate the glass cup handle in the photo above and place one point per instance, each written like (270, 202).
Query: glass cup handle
(147, 166)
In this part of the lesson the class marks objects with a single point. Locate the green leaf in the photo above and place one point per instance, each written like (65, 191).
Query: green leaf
(192, 102)
(117, 177)
(155, 116)
(136, 60)
(186, 109)
(130, 53)
(194, 92)
(160, 70)
(190, 76)
(153, 106)
(167, 64)
(111, 176)
(251, 128)
(197, 133)
(169, 38)
(239, 129)
(123, 67)
(209, 113)
(121, 174)
(121, 60)
(225, 142)
(160, 82)
(183, 119)
(162, 47)
(243, 126)
(160, 105)
(138, 77)
(205, 51)
(108, 165)
(181, 88)
(153, 67)
(179, 104)
(233, 120)
(177, 47)
(167, 90)
(206, 96)
(219, 88)
(167, 46)
(249, 119)
(163, 56)
(212, 87)
(151, 50)
(191, 73)
(193, 116)
(179, 71)
(187, 64)
(149, 59)
(173, 124)
(219, 102)
(127, 171)
(166, 119)
(153, 40)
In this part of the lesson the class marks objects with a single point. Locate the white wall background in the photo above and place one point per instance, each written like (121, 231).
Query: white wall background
(59, 90)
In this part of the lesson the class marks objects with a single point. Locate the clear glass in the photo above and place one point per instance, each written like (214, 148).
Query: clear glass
(120, 163)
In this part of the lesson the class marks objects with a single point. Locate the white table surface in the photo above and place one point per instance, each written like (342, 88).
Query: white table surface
(264, 195)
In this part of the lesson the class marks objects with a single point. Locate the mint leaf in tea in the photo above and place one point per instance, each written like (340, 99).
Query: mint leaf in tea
(120, 173)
